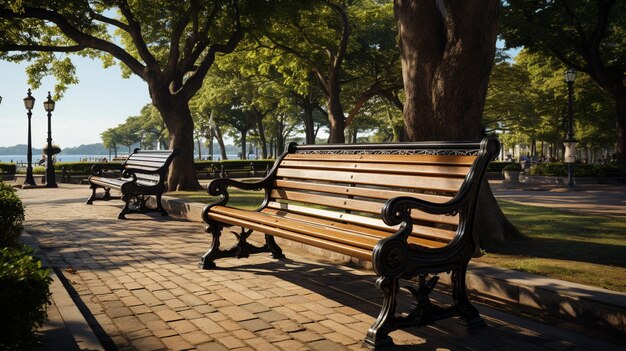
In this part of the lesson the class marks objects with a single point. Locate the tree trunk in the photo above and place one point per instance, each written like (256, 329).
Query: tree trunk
(262, 139)
(336, 118)
(447, 51)
(199, 148)
(244, 150)
(210, 144)
(220, 142)
(620, 123)
(309, 128)
(177, 117)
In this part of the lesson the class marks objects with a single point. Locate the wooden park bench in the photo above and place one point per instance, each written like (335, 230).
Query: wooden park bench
(408, 208)
(143, 174)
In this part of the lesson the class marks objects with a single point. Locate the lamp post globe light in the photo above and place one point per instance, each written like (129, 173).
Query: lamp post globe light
(570, 142)
(29, 103)
(50, 178)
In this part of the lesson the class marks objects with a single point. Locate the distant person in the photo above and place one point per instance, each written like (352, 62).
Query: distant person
(42, 160)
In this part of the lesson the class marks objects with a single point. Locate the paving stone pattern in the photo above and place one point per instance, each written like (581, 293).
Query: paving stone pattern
(138, 284)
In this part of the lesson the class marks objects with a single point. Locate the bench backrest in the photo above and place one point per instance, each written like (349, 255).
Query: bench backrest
(350, 183)
(150, 166)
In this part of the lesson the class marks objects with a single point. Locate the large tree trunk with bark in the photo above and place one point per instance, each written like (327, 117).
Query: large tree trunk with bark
(177, 117)
(447, 51)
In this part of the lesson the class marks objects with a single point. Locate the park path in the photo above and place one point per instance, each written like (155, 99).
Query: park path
(597, 199)
(137, 283)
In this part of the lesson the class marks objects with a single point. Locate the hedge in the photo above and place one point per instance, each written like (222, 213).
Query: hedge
(7, 168)
(79, 167)
(11, 216)
(580, 170)
(24, 295)
(499, 166)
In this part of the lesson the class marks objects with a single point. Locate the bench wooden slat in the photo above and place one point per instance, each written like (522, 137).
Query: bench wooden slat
(419, 231)
(303, 238)
(375, 223)
(415, 182)
(135, 163)
(309, 228)
(412, 159)
(330, 201)
(147, 158)
(354, 205)
(346, 234)
(448, 171)
(371, 192)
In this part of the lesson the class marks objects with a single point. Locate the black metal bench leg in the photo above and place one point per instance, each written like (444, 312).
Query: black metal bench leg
(468, 314)
(93, 195)
(214, 251)
(160, 207)
(107, 194)
(276, 251)
(378, 334)
(126, 208)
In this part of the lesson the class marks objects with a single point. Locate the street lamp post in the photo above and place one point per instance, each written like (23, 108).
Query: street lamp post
(570, 142)
(50, 177)
(29, 103)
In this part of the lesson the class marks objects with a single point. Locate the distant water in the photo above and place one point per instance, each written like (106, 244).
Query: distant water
(60, 158)
(71, 158)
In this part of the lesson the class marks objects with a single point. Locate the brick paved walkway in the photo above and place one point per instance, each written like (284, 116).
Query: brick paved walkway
(138, 285)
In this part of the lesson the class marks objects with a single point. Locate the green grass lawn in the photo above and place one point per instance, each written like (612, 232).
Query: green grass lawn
(585, 249)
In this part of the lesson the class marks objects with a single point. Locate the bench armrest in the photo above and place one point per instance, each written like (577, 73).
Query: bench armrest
(219, 187)
(398, 209)
(390, 255)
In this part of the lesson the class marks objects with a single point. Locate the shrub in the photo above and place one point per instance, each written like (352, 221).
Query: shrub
(7, 168)
(24, 295)
(36, 170)
(580, 170)
(11, 216)
(499, 166)
(80, 167)
(514, 167)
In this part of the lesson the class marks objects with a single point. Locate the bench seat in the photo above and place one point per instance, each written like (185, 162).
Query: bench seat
(407, 208)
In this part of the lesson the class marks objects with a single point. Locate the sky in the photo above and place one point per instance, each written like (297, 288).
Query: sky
(102, 99)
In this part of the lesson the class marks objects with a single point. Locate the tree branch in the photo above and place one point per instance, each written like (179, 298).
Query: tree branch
(108, 20)
(345, 34)
(194, 83)
(41, 48)
(81, 38)
(194, 48)
(177, 32)
(134, 29)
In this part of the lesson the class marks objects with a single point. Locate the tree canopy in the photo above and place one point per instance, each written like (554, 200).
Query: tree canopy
(588, 35)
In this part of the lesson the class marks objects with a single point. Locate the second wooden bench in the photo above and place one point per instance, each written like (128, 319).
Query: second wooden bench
(143, 174)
